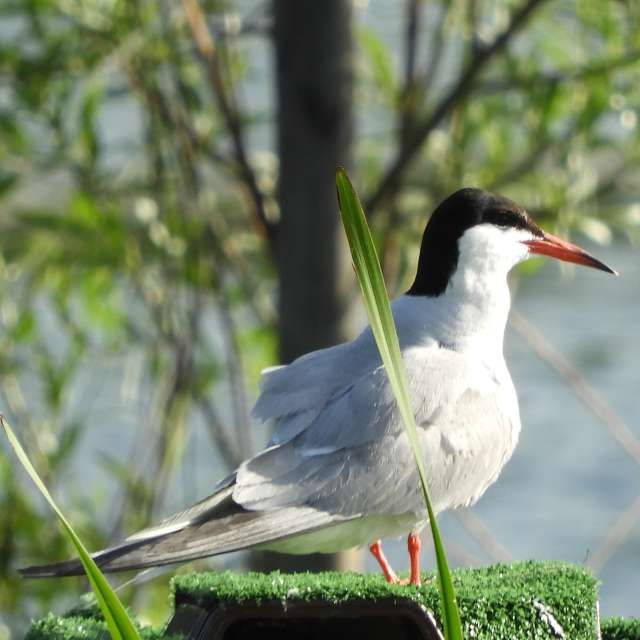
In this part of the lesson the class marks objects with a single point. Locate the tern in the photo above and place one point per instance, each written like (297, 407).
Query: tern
(338, 472)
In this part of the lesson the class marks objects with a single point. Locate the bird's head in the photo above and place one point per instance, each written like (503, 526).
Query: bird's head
(486, 234)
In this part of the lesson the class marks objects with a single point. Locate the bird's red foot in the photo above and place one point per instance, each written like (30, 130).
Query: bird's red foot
(413, 544)
(378, 554)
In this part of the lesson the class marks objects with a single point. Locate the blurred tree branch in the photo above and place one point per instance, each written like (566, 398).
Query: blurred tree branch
(596, 404)
(593, 69)
(209, 54)
(411, 95)
(391, 180)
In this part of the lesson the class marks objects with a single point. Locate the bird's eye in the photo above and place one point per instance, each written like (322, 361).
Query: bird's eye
(501, 219)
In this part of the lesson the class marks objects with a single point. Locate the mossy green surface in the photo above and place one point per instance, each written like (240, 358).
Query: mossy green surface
(497, 602)
(89, 625)
(501, 601)
(621, 629)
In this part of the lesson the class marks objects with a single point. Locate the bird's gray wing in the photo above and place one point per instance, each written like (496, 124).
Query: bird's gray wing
(214, 505)
(464, 449)
(215, 525)
(293, 395)
(353, 456)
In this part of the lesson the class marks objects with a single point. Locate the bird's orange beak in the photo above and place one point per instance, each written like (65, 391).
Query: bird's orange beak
(550, 245)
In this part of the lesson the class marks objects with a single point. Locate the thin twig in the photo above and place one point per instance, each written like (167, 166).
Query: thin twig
(236, 379)
(616, 426)
(473, 12)
(208, 52)
(518, 168)
(173, 119)
(479, 531)
(219, 434)
(411, 96)
(458, 553)
(616, 535)
(539, 147)
(390, 182)
(517, 82)
(436, 49)
(414, 15)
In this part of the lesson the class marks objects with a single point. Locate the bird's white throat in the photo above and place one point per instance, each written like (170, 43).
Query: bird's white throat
(472, 312)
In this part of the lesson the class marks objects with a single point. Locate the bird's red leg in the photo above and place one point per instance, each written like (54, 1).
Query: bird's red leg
(389, 573)
(414, 544)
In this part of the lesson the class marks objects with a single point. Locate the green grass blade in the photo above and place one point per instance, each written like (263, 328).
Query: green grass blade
(120, 625)
(376, 300)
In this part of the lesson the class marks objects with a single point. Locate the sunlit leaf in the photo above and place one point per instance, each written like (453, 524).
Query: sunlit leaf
(380, 61)
(376, 300)
(120, 625)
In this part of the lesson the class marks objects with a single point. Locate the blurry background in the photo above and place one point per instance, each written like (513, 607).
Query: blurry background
(168, 227)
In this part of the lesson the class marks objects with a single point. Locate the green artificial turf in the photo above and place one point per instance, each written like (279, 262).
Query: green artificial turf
(500, 601)
(621, 629)
(496, 602)
(89, 625)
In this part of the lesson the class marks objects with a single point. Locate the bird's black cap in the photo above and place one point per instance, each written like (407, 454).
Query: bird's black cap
(460, 211)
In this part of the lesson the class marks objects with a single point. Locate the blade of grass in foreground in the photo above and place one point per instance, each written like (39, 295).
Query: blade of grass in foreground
(120, 625)
(376, 300)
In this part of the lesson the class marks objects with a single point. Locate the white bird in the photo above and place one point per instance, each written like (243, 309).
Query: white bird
(338, 472)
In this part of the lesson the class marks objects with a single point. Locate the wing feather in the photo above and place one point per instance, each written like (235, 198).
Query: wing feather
(354, 457)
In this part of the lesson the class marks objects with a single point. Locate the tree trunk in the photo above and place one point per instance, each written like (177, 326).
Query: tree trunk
(314, 75)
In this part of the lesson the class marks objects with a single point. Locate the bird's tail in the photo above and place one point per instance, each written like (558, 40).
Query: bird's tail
(214, 526)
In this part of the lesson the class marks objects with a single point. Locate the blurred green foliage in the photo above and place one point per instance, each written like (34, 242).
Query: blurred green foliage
(118, 621)
(128, 234)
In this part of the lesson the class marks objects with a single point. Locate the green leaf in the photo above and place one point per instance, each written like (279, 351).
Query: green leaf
(120, 625)
(379, 58)
(376, 300)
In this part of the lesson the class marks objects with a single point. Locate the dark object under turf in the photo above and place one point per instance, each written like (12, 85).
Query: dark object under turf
(524, 600)
(315, 620)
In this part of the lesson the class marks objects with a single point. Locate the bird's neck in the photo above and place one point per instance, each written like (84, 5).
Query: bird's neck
(477, 305)
(470, 315)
